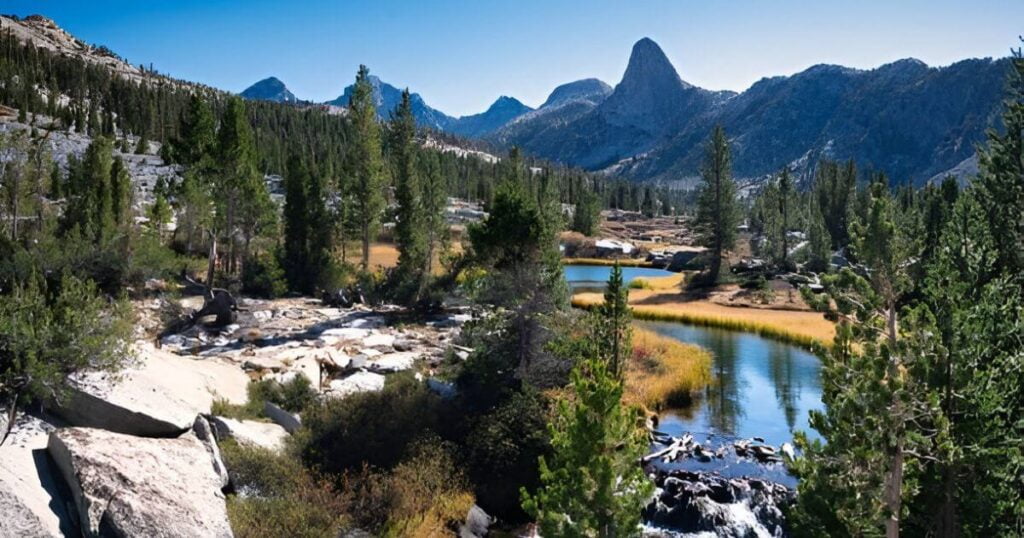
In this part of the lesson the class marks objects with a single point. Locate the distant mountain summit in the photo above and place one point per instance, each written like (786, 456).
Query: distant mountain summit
(387, 97)
(590, 90)
(502, 111)
(269, 89)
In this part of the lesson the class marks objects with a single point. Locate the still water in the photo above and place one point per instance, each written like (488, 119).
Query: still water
(596, 276)
(760, 388)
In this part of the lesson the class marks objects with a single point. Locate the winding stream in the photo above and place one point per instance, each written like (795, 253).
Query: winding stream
(761, 387)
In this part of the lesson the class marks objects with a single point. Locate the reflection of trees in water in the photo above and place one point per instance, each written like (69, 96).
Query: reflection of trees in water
(723, 396)
(782, 369)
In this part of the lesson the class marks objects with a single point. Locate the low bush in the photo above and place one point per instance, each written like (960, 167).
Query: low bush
(276, 496)
(294, 395)
(263, 276)
(372, 427)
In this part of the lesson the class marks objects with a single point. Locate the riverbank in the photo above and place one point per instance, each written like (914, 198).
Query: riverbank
(664, 372)
(607, 262)
(809, 330)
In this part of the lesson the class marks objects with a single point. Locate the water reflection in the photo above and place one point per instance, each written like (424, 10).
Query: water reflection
(761, 387)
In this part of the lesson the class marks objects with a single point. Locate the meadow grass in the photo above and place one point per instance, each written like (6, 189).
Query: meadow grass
(664, 372)
(785, 326)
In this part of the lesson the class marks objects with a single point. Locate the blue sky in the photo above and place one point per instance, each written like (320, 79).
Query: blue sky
(461, 55)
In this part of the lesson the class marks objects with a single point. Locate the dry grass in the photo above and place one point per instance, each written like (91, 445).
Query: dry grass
(669, 282)
(385, 255)
(664, 372)
(604, 261)
(807, 329)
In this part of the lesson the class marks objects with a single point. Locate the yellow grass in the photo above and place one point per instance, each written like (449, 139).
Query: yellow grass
(385, 255)
(664, 372)
(807, 329)
(604, 261)
(668, 282)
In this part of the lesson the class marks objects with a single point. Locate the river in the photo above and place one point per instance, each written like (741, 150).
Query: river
(761, 387)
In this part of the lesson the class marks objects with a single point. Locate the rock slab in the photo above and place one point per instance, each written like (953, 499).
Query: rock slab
(132, 486)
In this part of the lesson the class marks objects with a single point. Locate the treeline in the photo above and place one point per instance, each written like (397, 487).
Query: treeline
(923, 426)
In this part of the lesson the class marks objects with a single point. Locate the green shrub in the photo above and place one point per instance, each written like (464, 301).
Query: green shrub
(263, 276)
(502, 450)
(277, 496)
(372, 427)
(294, 395)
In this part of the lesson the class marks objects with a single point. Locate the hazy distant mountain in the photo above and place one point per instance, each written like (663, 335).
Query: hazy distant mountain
(269, 89)
(905, 118)
(504, 110)
(387, 97)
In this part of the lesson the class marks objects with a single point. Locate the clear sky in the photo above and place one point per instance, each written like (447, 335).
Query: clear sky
(461, 55)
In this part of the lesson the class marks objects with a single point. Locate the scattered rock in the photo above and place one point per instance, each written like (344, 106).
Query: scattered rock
(131, 486)
(202, 430)
(477, 523)
(358, 382)
(290, 422)
(393, 362)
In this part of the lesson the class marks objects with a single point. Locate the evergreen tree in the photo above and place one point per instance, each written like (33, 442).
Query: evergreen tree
(409, 231)
(593, 484)
(198, 134)
(242, 198)
(587, 216)
(835, 188)
(435, 227)
(120, 189)
(819, 242)
(367, 167)
(160, 215)
(296, 225)
(717, 210)
(614, 324)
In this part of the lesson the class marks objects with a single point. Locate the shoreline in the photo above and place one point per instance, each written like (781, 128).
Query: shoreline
(815, 343)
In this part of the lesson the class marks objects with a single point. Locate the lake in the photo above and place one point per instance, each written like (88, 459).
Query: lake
(586, 277)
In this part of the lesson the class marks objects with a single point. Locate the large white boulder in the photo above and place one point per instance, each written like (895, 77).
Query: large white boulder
(358, 382)
(158, 397)
(250, 432)
(133, 486)
(30, 502)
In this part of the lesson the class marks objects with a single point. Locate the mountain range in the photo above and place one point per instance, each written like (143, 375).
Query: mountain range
(907, 119)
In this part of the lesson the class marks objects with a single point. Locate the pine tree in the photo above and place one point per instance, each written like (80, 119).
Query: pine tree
(198, 134)
(587, 215)
(819, 241)
(241, 194)
(120, 192)
(614, 323)
(717, 210)
(434, 201)
(367, 164)
(296, 229)
(593, 484)
(409, 232)
(160, 215)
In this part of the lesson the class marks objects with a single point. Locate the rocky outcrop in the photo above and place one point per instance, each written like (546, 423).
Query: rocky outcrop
(698, 502)
(31, 496)
(289, 421)
(250, 432)
(159, 397)
(131, 486)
